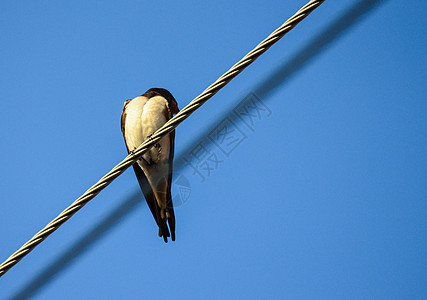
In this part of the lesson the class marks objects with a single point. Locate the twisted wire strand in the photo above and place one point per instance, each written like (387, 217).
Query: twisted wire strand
(159, 134)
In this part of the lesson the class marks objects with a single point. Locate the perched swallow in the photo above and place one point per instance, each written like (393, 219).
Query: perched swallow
(141, 117)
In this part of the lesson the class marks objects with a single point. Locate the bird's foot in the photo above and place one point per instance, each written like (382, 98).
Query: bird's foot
(156, 145)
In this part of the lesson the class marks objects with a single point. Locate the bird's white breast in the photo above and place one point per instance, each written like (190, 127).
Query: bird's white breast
(154, 115)
(143, 118)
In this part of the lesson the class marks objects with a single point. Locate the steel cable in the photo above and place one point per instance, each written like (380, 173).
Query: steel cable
(159, 134)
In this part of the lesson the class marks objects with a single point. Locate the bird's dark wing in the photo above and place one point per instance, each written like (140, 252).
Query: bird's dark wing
(169, 204)
(148, 192)
(123, 120)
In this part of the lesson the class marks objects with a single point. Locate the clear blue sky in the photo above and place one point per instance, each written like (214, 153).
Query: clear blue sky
(326, 199)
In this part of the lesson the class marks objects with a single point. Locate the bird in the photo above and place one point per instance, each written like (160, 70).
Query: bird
(141, 117)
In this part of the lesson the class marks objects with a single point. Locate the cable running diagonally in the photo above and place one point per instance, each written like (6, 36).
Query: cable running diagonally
(159, 134)
(317, 44)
